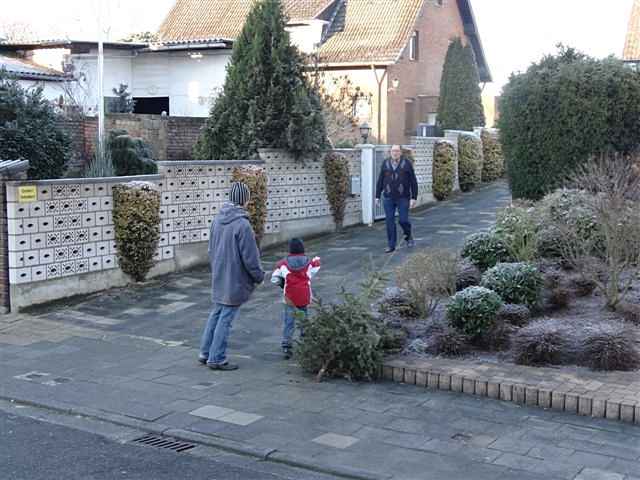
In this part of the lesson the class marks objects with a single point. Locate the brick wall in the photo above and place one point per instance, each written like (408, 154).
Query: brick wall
(75, 128)
(436, 26)
(170, 138)
(182, 135)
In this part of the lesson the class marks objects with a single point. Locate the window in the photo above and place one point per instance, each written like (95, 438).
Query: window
(414, 45)
(409, 117)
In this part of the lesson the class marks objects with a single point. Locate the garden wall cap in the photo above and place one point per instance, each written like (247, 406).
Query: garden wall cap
(9, 166)
(141, 185)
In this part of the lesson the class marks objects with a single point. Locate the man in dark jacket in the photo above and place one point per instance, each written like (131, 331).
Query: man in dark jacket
(235, 271)
(398, 187)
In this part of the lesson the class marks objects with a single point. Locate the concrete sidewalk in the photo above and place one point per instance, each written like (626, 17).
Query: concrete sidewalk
(129, 357)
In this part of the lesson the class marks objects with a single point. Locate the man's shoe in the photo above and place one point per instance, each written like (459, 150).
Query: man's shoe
(287, 352)
(226, 366)
(202, 360)
(389, 250)
(411, 243)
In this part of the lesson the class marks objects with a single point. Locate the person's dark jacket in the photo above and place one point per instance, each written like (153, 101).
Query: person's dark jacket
(397, 183)
(234, 257)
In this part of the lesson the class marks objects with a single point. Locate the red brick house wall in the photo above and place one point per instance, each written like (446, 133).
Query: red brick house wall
(436, 25)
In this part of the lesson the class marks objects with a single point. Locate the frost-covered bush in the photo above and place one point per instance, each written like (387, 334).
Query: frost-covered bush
(518, 315)
(518, 283)
(467, 274)
(611, 347)
(516, 227)
(485, 249)
(540, 343)
(427, 277)
(473, 311)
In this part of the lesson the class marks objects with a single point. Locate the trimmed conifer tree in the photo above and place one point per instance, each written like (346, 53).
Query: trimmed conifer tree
(460, 105)
(267, 101)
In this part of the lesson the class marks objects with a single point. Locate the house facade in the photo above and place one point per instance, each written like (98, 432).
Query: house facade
(29, 75)
(177, 78)
(392, 50)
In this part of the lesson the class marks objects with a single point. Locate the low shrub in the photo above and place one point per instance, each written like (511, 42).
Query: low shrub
(341, 340)
(518, 283)
(470, 161)
(336, 172)
(256, 179)
(583, 287)
(473, 311)
(612, 347)
(130, 156)
(540, 343)
(498, 337)
(629, 311)
(396, 303)
(559, 298)
(427, 277)
(447, 342)
(392, 340)
(548, 242)
(485, 250)
(562, 208)
(518, 230)
(518, 315)
(467, 274)
(136, 217)
(443, 169)
(493, 159)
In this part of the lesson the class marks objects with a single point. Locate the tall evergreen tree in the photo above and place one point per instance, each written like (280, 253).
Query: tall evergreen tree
(460, 106)
(266, 101)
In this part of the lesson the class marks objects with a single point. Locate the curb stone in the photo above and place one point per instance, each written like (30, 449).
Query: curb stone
(232, 446)
(521, 393)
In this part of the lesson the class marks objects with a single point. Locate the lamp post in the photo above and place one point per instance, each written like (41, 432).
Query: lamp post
(365, 129)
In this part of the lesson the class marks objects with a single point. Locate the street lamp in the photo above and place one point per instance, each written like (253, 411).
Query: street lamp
(395, 83)
(364, 132)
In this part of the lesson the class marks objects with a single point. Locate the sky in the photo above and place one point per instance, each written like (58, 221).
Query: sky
(514, 33)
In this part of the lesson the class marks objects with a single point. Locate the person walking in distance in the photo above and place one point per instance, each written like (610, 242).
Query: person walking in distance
(235, 272)
(397, 186)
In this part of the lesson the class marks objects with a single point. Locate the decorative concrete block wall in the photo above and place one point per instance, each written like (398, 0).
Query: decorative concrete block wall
(68, 231)
(424, 168)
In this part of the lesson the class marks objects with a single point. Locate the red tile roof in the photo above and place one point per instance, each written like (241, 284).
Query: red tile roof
(373, 30)
(198, 19)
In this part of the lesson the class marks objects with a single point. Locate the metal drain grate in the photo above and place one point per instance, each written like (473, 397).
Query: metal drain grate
(163, 442)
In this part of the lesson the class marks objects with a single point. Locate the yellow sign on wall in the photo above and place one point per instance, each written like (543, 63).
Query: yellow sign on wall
(27, 194)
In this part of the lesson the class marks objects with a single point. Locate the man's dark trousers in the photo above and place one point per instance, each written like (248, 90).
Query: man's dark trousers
(391, 205)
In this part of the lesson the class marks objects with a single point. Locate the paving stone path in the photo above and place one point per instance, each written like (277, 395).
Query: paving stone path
(129, 356)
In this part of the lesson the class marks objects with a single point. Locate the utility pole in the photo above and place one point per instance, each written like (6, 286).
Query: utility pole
(100, 143)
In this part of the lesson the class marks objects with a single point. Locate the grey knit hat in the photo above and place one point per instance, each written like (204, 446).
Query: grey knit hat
(239, 193)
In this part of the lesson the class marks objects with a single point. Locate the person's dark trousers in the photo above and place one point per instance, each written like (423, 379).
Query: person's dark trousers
(390, 207)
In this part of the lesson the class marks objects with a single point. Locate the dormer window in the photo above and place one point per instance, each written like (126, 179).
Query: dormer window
(414, 44)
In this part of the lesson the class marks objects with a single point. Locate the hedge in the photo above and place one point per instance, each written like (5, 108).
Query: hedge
(444, 167)
(136, 217)
(256, 179)
(470, 161)
(561, 111)
(493, 159)
(336, 173)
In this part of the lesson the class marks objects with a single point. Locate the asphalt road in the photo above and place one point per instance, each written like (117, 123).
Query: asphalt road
(33, 450)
